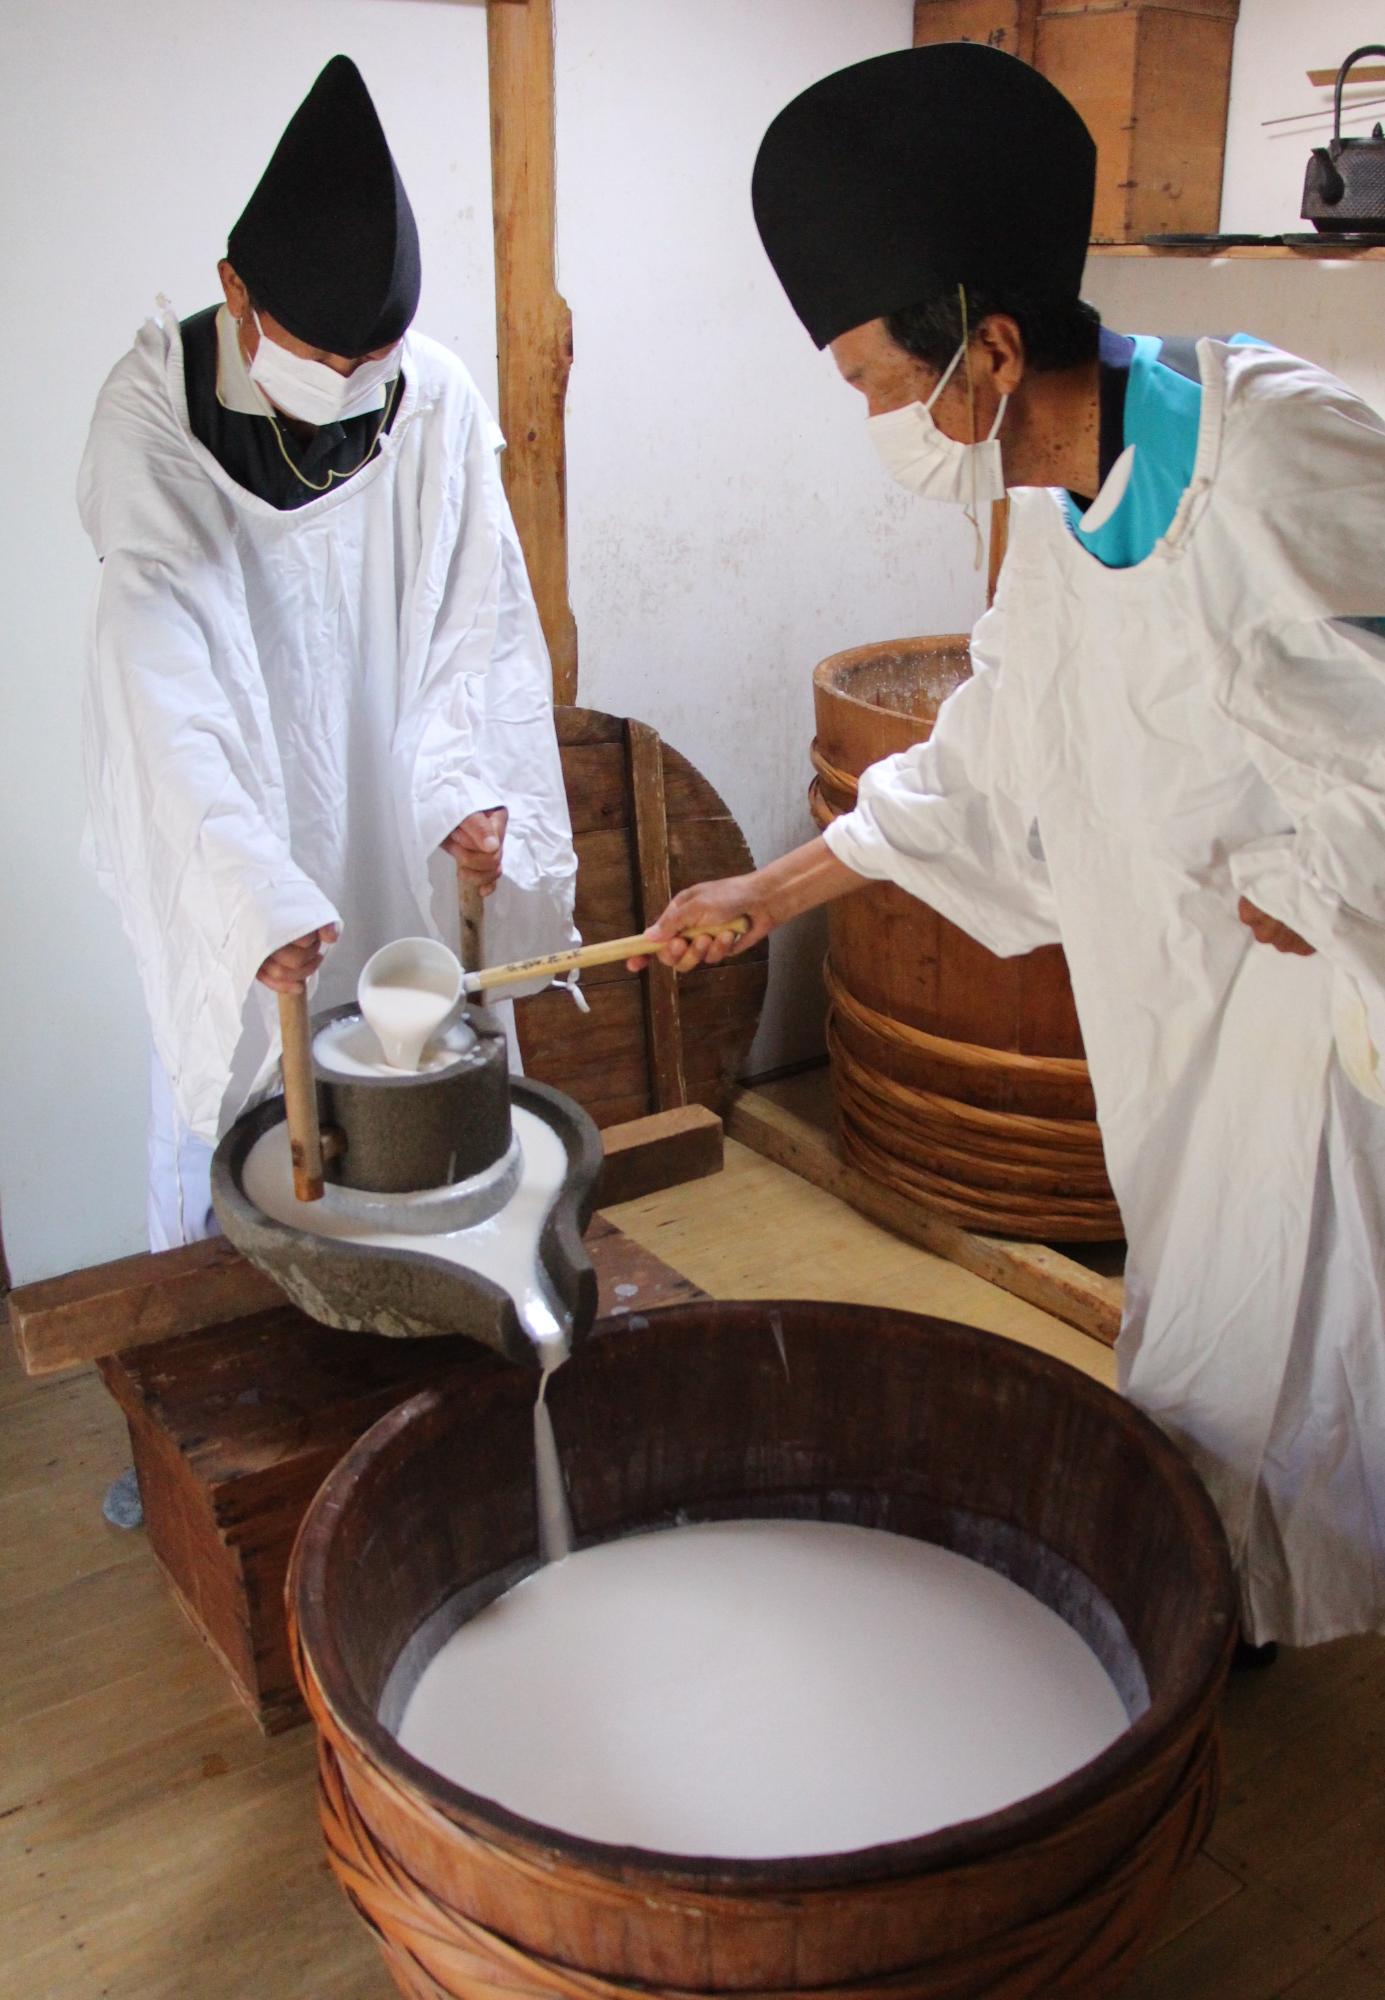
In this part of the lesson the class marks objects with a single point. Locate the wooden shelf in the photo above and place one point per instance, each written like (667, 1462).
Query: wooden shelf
(1309, 254)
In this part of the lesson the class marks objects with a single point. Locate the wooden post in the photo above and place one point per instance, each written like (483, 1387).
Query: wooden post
(649, 816)
(1000, 537)
(533, 324)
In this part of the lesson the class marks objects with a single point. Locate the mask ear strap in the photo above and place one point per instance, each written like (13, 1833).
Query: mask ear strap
(966, 350)
(944, 378)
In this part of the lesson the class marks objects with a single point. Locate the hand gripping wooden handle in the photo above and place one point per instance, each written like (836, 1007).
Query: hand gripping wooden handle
(300, 1096)
(609, 953)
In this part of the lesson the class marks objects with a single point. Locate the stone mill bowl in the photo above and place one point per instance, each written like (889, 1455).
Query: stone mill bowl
(408, 1291)
(715, 1411)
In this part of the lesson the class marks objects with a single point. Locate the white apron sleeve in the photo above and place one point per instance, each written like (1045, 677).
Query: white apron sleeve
(944, 820)
(1310, 701)
(182, 777)
(476, 726)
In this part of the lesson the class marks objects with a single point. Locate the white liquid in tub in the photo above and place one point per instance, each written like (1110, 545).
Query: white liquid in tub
(761, 1688)
(403, 1017)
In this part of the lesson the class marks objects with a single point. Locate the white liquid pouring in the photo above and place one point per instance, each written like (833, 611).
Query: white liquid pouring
(403, 1018)
(406, 991)
(761, 1688)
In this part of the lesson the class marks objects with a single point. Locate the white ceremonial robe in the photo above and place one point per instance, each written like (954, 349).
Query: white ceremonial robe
(287, 712)
(1137, 749)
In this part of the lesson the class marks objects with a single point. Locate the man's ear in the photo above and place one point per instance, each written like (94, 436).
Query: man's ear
(1002, 352)
(237, 298)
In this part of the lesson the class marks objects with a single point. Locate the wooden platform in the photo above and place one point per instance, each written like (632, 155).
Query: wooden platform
(792, 1124)
(154, 1845)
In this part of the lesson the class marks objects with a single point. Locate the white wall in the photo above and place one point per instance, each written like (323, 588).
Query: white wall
(132, 137)
(730, 524)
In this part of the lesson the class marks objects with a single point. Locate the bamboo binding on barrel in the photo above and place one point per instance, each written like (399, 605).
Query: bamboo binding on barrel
(958, 1076)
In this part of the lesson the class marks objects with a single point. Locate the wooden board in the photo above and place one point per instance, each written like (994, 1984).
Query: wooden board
(996, 24)
(661, 1151)
(649, 817)
(1151, 79)
(68, 1321)
(234, 1428)
(1044, 1277)
(642, 1046)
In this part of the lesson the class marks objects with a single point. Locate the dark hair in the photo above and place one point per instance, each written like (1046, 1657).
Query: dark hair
(1062, 335)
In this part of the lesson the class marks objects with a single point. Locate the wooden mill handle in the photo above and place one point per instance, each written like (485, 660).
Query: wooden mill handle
(609, 953)
(300, 1096)
(472, 908)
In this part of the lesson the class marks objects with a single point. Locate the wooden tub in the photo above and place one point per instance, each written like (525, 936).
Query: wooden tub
(959, 1076)
(884, 1419)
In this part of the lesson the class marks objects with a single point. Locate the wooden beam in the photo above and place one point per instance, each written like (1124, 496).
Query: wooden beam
(649, 817)
(1031, 1271)
(65, 1322)
(533, 324)
(661, 1151)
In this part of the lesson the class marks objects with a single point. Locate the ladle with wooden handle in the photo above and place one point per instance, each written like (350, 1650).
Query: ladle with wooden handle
(609, 953)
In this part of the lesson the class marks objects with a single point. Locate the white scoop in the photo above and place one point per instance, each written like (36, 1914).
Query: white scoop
(406, 991)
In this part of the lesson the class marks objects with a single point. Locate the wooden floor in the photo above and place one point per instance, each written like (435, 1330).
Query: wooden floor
(153, 1846)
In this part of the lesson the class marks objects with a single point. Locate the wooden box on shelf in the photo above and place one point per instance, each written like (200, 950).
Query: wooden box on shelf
(1150, 77)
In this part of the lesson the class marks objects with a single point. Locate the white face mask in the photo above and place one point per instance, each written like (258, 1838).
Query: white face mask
(920, 456)
(315, 393)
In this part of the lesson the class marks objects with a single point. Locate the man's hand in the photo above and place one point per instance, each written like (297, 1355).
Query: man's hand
(713, 907)
(289, 969)
(1268, 930)
(477, 846)
(782, 889)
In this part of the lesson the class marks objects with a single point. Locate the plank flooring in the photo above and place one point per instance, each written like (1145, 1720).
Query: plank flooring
(154, 1846)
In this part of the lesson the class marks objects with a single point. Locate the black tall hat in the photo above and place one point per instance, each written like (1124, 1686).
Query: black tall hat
(327, 244)
(918, 171)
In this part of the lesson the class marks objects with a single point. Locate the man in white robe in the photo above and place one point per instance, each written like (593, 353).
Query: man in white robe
(1170, 759)
(318, 682)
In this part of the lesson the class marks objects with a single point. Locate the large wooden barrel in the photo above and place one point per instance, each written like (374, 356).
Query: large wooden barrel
(959, 1076)
(730, 1411)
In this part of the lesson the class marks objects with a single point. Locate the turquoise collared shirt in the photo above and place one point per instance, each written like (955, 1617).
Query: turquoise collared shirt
(1163, 411)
